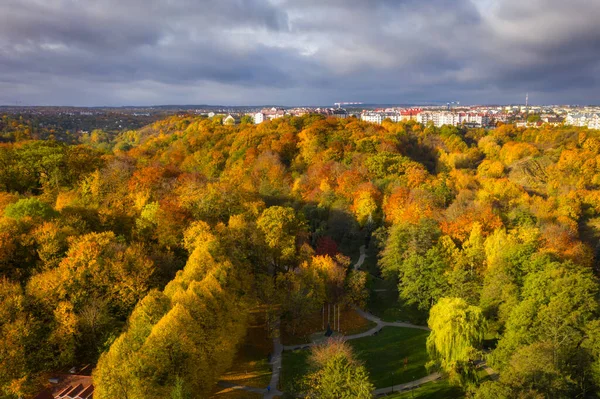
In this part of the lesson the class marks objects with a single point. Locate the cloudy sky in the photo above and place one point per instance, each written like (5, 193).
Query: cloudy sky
(292, 52)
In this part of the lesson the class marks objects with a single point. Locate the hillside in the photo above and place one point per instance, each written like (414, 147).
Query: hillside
(156, 255)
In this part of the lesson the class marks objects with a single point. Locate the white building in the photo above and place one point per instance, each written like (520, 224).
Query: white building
(425, 117)
(373, 117)
(589, 120)
(441, 118)
(268, 114)
(438, 118)
(259, 117)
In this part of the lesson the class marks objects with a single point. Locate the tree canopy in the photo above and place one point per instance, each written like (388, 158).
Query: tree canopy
(142, 250)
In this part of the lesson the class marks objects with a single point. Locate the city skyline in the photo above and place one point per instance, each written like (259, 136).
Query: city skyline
(258, 52)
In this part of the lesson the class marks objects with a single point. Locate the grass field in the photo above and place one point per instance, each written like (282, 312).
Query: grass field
(350, 323)
(383, 300)
(382, 354)
(251, 366)
(293, 369)
(384, 303)
(440, 389)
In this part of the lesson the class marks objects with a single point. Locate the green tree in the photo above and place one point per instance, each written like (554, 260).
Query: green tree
(423, 278)
(336, 374)
(246, 119)
(457, 330)
(282, 229)
(553, 319)
(531, 374)
(357, 291)
(15, 333)
(29, 207)
(405, 240)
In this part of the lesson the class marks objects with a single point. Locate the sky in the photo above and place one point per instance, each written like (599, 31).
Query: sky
(298, 52)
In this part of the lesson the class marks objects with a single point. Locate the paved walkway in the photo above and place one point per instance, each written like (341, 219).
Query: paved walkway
(278, 348)
(276, 370)
(382, 323)
(379, 325)
(408, 385)
(361, 259)
(275, 365)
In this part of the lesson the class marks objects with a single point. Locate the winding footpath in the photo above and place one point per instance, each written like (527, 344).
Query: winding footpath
(409, 385)
(379, 324)
(278, 349)
(275, 365)
(361, 259)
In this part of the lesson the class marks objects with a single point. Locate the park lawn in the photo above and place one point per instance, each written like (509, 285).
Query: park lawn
(383, 355)
(251, 365)
(350, 323)
(431, 390)
(294, 368)
(387, 305)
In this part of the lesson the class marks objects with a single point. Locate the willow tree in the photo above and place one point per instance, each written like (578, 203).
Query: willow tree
(457, 330)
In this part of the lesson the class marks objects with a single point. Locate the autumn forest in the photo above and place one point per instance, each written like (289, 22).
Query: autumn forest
(152, 254)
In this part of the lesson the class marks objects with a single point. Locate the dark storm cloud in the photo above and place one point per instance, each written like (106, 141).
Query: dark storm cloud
(297, 51)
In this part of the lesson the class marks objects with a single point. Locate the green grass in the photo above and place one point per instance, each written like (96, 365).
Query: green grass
(440, 389)
(251, 365)
(384, 354)
(387, 305)
(293, 369)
